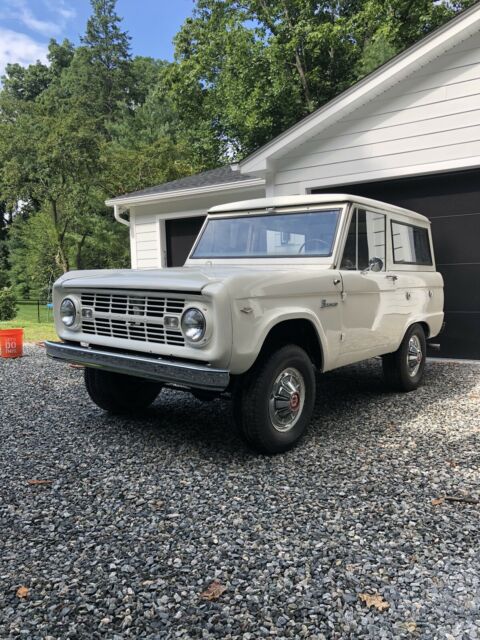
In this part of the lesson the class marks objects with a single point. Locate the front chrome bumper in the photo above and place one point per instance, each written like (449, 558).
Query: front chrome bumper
(185, 374)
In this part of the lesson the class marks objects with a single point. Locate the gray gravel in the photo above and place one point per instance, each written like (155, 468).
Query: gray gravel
(143, 514)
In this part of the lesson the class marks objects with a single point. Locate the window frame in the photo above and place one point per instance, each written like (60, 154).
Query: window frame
(308, 211)
(356, 208)
(413, 226)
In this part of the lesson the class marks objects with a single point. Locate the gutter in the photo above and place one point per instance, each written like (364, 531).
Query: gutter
(117, 212)
(181, 193)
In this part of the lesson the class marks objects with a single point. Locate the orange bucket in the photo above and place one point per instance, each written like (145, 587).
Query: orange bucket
(11, 343)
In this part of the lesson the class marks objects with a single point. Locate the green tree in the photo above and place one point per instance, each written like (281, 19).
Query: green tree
(383, 29)
(4, 262)
(246, 70)
(108, 51)
(27, 83)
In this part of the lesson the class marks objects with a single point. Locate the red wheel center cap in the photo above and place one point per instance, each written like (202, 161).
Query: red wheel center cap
(294, 401)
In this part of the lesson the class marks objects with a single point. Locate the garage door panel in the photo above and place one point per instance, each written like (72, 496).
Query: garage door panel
(456, 239)
(461, 338)
(181, 233)
(438, 195)
(462, 287)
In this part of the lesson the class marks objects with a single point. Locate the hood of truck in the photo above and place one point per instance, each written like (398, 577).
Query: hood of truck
(181, 279)
(186, 279)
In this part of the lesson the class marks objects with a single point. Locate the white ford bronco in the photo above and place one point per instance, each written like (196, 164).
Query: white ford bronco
(273, 291)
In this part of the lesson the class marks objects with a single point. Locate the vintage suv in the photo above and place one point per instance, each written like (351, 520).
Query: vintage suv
(274, 290)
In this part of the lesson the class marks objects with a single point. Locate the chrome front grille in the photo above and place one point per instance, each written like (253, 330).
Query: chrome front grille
(131, 317)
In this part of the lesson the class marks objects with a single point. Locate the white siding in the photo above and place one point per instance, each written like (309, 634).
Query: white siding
(428, 122)
(146, 242)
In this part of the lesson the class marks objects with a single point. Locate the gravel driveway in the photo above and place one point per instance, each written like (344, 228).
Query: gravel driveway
(142, 515)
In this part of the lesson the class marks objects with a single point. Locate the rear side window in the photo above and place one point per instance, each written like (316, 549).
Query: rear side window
(411, 244)
(365, 240)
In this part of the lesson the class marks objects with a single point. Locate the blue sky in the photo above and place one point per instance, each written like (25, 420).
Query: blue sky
(27, 25)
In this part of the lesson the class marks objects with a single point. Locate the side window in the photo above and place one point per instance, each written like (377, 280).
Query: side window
(365, 240)
(411, 244)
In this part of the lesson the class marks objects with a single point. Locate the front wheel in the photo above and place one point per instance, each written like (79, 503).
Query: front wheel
(118, 393)
(403, 370)
(275, 404)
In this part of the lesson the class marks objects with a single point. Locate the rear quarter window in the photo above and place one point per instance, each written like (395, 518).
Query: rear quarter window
(411, 244)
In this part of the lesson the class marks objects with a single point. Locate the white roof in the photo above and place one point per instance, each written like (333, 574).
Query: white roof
(313, 199)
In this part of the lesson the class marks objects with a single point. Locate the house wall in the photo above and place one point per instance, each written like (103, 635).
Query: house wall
(425, 124)
(147, 222)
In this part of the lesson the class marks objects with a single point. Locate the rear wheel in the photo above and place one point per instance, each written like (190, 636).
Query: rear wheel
(274, 405)
(403, 370)
(118, 393)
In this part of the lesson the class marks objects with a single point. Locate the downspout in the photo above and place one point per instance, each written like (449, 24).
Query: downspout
(117, 212)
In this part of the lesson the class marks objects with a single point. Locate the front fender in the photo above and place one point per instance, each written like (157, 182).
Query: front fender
(254, 319)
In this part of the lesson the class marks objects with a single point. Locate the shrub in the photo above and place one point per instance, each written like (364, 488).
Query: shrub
(4, 279)
(8, 304)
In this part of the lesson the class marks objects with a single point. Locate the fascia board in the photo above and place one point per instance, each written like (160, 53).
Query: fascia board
(150, 198)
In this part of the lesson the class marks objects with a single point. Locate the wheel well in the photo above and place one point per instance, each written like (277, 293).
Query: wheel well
(426, 328)
(299, 332)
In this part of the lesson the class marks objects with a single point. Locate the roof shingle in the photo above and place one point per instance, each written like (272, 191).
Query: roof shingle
(221, 175)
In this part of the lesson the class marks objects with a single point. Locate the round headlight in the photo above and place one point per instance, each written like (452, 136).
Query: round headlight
(68, 312)
(193, 324)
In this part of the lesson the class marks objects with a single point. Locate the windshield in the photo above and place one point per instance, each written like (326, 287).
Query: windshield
(273, 235)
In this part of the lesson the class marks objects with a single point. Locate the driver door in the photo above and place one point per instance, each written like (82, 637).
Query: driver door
(368, 292)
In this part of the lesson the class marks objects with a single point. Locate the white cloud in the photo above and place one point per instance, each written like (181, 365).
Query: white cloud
(53, 25)
(18, 47)
(61, 8)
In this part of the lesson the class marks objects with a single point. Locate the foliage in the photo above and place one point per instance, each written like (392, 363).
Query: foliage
(95, 122)
(8, 304)
(248, 69)
(27, 319)
(4, 264)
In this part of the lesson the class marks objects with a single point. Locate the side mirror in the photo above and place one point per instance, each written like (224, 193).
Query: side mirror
(375, 265)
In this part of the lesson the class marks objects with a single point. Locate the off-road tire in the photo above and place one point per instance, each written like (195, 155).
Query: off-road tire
(397, 374)
(120, 394)
(251, 402)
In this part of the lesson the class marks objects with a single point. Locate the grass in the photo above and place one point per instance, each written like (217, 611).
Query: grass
(27, 319)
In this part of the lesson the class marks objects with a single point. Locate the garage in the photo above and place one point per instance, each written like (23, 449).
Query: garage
(407, 134)
(451, 202)
(180, 234)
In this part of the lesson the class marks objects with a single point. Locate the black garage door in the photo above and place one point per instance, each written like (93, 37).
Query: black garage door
(181, 234)
(452, 202)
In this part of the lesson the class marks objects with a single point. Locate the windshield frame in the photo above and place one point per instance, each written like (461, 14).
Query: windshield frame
(341, 207)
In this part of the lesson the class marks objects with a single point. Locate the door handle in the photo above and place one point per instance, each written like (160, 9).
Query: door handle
(392, 277)
(337, 281)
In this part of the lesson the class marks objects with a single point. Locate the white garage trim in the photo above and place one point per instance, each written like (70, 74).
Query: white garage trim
(306, 187)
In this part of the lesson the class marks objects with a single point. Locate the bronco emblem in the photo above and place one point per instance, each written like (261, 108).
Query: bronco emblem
(324, 304)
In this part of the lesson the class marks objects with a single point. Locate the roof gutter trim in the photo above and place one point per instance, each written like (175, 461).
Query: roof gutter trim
(184, 193)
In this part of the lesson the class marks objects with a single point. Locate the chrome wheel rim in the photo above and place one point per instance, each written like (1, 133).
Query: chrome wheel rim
(414, 356)
(287, 399)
